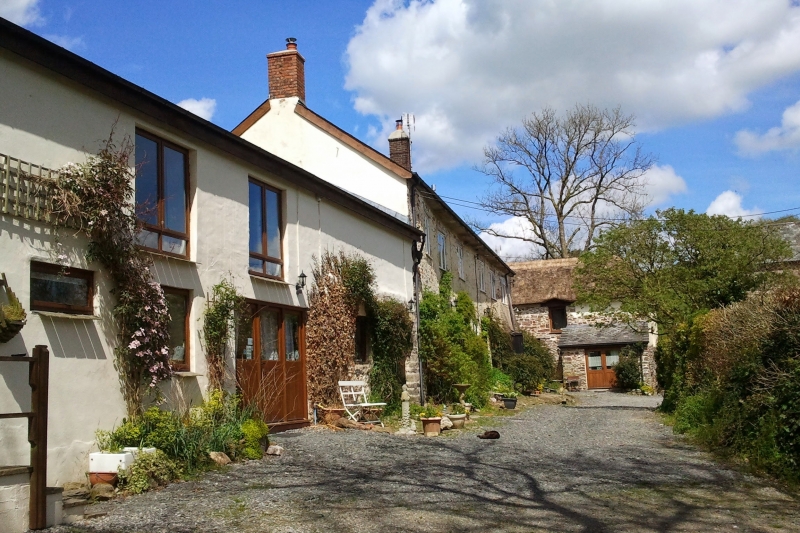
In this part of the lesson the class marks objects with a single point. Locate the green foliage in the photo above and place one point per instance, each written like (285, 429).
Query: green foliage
(450, 348)
(741, 398)
(457, 409)
(628, 370)
(501, 381)
(222, 307)
(499, 340)
(220, 424)
(430, 411)
(672, 265)
(391, 327)
(150, 470)
(534, 366)
(254, 431)
(13, 310)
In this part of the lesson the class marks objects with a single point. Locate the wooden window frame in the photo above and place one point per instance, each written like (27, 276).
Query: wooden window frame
(550, 309)
(460, 255)
(67, 272)
(187, 294)
(481, 275)
(264, 257)
(493, 284)
(159, 229)
(441, 245)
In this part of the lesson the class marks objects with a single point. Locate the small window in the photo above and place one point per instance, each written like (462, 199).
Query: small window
(504, 289)
(612, 358)
(178, 305)
(162, 195)
(61, 289)
(493, 284)
(595, 361)
(291, 328)
(460, 255)
(266, 242)
(558, 318)
(361, 355)
(442, 240)
(481, 274)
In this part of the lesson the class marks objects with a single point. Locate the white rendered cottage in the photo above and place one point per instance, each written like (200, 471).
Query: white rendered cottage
(226, 208)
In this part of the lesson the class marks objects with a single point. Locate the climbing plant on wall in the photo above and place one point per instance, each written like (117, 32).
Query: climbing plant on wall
(96, 197)
(342, 283)
(222, 307)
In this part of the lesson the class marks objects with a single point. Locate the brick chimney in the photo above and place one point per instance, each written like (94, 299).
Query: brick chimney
(286, 72)
(400, 146)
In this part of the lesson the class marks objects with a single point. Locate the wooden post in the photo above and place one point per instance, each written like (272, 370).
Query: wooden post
(37, 436)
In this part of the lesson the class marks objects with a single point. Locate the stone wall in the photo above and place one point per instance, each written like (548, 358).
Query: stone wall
(574, 361)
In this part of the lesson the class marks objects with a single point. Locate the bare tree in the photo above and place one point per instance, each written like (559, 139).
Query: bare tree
(566, 177)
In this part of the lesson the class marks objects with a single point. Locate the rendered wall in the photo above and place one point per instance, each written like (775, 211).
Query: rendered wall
(288, 135)
(48, 120)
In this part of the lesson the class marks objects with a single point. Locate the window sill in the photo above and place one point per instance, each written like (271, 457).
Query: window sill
(168, 256)
(264, 277)
(186, 374)
(56, 314)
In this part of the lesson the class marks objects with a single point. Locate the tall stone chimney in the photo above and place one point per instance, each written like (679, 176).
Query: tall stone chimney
(286, 72)
(400, 146)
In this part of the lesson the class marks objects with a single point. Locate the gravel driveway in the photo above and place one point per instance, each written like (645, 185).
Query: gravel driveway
(606, 464)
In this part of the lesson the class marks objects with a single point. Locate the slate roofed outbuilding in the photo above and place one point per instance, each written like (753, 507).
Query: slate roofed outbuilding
(588, 335)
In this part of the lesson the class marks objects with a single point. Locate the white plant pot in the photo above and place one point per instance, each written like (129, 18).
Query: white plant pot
(109, 462)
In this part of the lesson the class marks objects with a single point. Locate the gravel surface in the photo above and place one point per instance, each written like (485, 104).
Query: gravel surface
(606, 464)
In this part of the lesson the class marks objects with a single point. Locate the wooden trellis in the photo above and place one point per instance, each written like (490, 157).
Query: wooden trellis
(26, 189)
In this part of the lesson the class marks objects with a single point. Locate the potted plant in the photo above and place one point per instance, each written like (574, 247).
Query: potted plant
(510, 399)
(431, 418)
(12, 314)
(457, 415)
(539, 389)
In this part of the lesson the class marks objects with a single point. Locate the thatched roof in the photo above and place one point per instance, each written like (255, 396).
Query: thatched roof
(587, 335)
(544, 280)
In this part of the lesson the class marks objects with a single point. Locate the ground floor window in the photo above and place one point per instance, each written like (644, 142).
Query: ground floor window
(178, 305)
(61, 289)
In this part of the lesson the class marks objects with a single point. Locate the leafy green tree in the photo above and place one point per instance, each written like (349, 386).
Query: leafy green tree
(671, 266)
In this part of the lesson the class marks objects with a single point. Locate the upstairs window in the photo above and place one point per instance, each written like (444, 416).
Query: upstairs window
(558, 318)
(480, 274)
(442, 241)
(266, 246)
(427, 230)
(162, 195)
(61, 289)
(504, 289)
(460, 255)
(493, 285)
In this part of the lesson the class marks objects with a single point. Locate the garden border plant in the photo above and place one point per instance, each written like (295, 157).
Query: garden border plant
(223, 307)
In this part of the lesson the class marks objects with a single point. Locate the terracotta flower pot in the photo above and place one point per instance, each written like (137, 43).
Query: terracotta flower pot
(103, 477)
(432, 426)
(458, 420)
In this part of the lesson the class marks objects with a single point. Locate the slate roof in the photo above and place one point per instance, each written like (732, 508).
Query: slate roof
(544, 280)
(586, 335)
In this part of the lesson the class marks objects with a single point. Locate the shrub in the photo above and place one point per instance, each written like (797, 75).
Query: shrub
(628, 369)
(501, 381)
(254, 431)
(391, 342)
(149, 471)
(533, 367)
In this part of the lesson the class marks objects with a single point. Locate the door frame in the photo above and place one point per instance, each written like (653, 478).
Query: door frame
(608, 382)
(254, 308)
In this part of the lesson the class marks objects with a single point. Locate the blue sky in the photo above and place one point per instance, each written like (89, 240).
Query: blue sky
(707, 79)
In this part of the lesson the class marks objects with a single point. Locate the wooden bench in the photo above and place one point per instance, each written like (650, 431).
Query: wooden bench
(354, 400)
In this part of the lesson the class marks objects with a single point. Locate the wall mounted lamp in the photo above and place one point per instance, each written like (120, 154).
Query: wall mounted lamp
(301, 282)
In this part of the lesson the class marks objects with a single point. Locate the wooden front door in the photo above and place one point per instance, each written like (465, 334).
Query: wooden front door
(600, 367)
(270, 366)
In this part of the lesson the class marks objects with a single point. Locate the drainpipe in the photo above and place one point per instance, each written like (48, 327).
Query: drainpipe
(417, 290)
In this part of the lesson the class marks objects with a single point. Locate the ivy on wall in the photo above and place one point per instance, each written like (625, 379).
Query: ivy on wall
(342, 283)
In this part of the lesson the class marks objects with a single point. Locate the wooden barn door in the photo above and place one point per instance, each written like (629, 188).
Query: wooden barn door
(600, 367)
(271, 365)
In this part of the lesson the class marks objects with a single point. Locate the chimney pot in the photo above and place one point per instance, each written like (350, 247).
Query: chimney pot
(291, 43)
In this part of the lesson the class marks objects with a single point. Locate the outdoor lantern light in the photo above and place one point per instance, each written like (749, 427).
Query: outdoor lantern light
(411, 304)
(301, 282)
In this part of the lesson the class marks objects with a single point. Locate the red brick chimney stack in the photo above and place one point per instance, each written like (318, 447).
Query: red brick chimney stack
(286, 72)
(400, 146)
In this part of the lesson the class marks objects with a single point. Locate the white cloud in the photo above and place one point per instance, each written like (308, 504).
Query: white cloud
(468, 68)
(511, 249)
(203, 108)
(661, 183)
(783, 137)
(65, 41)
(729, 203)
(22, 12)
